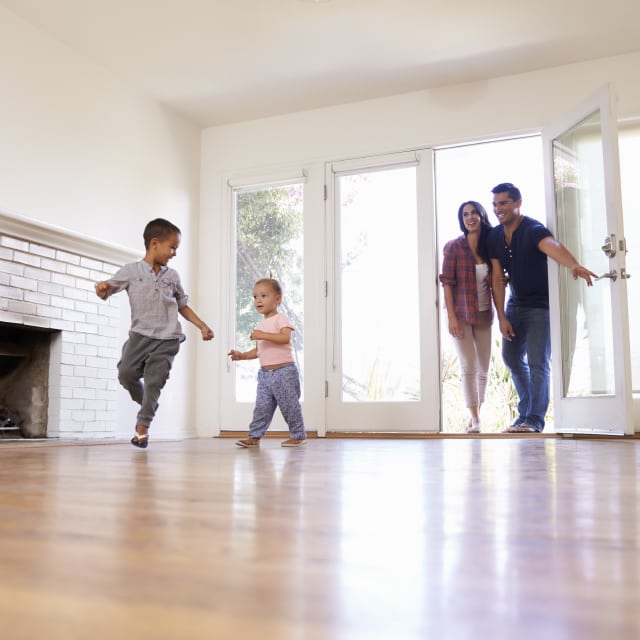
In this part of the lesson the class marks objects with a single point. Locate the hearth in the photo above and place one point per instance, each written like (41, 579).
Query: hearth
(24, 380)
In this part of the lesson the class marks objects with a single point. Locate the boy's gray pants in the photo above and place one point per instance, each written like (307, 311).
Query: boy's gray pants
(144, 369)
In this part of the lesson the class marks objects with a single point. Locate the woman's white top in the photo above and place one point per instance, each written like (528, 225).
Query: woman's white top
(484, 295)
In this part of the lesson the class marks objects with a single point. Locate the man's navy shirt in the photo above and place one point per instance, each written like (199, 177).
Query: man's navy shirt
(524, 262)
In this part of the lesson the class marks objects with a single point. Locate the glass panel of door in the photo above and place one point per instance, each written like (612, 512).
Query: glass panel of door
(269, 244)
(586, 330)
(379, 286)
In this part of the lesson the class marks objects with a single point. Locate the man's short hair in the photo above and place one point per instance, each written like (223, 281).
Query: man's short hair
(508, 187)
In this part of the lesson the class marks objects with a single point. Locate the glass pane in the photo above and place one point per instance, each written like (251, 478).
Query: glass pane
(268, 244)
(587, 337)
(380, 326)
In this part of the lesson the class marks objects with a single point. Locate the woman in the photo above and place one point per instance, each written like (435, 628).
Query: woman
(466, 279)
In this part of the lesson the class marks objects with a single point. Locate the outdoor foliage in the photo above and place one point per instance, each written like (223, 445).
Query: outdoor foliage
(501, 402)
(501, 399)
(269, 244)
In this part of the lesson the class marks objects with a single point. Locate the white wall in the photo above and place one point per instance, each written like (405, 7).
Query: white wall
(80, 150)
(498, 107)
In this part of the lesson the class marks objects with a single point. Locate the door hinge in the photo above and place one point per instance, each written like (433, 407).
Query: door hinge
(326, 388)
(326, 288)
(325, 191)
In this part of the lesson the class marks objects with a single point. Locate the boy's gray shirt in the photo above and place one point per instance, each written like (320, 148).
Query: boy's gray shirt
(154, 299)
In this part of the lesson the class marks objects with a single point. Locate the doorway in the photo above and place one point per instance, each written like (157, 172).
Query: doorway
(469, 172)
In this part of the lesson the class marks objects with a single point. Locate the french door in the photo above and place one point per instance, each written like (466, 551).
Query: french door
(382, 368)
(589, 325)
(266, 240)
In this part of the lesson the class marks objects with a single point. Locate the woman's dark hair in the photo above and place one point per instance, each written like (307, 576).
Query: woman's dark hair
(485, 225)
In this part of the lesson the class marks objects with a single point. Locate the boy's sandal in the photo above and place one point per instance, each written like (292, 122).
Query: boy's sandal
(140, 440)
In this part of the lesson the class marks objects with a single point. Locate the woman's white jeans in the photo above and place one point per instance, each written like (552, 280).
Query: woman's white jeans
(474, 353)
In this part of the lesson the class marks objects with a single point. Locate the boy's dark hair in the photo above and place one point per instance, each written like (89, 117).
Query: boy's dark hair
(158, 228)
(273, 283)
(511, 189)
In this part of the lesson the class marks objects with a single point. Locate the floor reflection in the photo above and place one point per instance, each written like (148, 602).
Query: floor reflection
(342, 539)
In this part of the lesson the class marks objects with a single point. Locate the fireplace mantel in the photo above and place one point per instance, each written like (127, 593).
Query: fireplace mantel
(63, 239)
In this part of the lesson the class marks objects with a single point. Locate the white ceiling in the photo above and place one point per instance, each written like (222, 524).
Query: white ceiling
(221, 61)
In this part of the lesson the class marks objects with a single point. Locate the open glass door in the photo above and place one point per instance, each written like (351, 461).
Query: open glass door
(589, 325)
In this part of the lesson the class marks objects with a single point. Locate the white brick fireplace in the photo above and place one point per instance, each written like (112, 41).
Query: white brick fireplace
(47, 278)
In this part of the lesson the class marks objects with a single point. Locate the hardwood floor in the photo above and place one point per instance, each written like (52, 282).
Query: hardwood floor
(501, 538)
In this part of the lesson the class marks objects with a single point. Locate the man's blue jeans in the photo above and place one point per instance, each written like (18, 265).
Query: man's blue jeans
(527, 358)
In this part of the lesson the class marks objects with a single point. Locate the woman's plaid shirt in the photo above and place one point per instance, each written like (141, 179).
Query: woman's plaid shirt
(459, 272)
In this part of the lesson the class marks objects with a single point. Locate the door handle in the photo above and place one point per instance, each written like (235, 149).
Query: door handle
(613, 275)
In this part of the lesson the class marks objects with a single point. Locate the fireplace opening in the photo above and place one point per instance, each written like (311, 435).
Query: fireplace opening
(8, 361)
(24, 380)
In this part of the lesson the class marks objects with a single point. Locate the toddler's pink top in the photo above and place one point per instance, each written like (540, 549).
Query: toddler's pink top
(269, 352)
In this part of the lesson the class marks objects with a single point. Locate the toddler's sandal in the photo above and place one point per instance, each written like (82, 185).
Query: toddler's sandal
(291, 442)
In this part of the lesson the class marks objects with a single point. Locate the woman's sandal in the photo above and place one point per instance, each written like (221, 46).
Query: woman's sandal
(473, 426)
(140, 440)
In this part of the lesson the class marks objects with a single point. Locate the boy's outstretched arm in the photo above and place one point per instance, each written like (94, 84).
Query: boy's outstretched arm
(189, 314)
(104, 289)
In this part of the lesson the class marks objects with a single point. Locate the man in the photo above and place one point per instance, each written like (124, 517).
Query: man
(518, 249)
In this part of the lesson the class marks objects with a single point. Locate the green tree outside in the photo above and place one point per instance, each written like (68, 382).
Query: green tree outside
(269, 244)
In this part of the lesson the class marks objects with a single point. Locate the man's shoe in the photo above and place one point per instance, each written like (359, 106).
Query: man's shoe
(520, 428)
